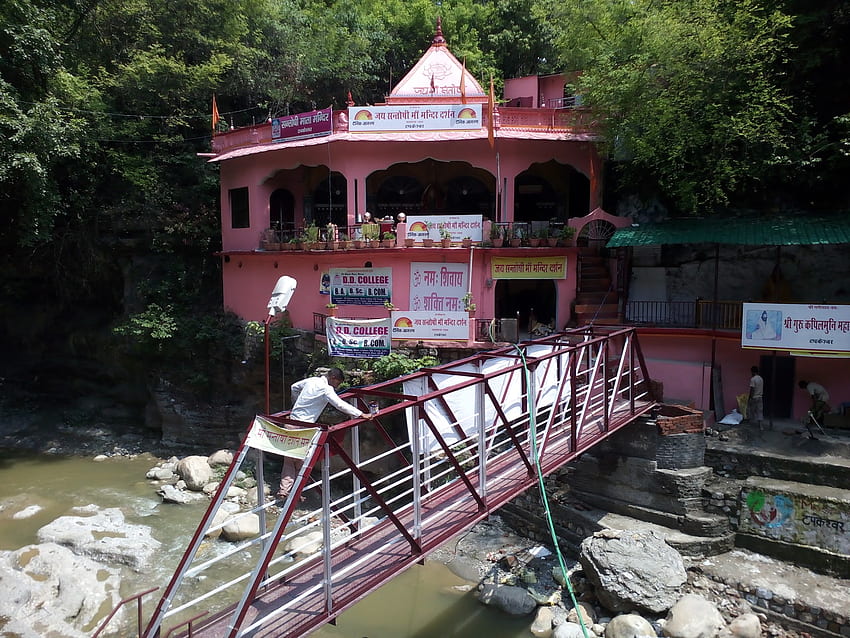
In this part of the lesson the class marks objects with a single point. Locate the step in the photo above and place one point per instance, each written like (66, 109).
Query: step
(583, 519)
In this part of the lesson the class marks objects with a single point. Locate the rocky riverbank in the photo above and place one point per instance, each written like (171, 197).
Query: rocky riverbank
(515, 575)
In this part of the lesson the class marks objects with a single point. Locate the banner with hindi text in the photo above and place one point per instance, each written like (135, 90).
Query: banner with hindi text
(796, 327)
(528, 267)
(268, 437)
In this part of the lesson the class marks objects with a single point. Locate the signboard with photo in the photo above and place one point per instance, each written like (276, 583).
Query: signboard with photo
(796, 327)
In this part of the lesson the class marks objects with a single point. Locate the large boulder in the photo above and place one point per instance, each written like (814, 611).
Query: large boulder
(103, 535)
(50, 591)
(693, 617)
(515, 601)
(633, 570)
(242, 527)
(195, 472)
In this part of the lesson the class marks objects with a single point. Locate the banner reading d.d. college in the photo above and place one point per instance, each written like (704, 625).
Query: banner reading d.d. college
(361, 338)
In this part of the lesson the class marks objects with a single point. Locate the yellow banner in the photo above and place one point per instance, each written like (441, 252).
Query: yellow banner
(268, 437)
(528, 268)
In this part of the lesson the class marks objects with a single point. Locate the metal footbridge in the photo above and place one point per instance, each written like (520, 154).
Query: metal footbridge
(449, 446)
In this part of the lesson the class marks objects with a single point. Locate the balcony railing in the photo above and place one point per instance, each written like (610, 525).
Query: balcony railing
(700, 313)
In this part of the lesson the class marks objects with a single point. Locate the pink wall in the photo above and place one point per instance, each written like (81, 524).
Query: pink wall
(249, 279)
(681, 361)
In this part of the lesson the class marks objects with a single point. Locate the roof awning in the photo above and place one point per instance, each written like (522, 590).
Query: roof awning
(801, 230)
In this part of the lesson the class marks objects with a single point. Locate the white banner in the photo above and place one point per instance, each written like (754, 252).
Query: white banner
(460, 227)
(438, 287)
(800, 327)
(431, 117)
(361, 286)
(358, 338)
(268, 437)
(408, 324)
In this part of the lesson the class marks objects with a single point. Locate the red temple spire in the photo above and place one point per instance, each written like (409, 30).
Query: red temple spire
(439, 40)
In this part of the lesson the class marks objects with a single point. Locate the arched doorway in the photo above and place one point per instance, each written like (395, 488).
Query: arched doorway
(282, 211)
(550, 191)
(533, 302)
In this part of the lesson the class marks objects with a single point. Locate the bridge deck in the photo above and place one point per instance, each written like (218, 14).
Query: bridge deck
(446, 512)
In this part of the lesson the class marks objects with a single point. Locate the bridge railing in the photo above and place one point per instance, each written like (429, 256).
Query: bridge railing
(463, 437)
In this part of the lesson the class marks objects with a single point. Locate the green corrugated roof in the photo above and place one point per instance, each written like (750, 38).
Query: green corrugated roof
(772, 231)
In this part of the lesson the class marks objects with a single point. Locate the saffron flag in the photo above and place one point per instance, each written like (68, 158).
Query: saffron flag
(433, 88)
(215, 117)
(463, 83)
(491, 107)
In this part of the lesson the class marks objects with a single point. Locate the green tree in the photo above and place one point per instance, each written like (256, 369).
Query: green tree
(688, 93)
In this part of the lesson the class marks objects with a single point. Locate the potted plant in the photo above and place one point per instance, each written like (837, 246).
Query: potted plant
(427, 241)
(445, 236)
(389, 306)
(565, 237)
(468, 303)
(537, 238)
(371, 234)
(550, 239)
(497, 236)
(388, 239)
(514, 237)
(345, 241)
(331, 309)
(312, 233)
(466, 242)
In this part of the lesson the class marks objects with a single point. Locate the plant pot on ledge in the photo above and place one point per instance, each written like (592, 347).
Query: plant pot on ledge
(409, 243)
(427, 242)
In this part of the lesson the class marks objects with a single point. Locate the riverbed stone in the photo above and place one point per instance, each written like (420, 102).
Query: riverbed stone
(693, 617)
(629, 626)
(241, 528)
(633, 570)
(50, 591)
(512, 600)
(170, 494)
(102, 535)
(195, 471)
(568, 630)
(745, 626)
(220, 457)
(542, 625)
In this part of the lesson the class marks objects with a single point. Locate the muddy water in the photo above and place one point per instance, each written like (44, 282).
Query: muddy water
(424, 602)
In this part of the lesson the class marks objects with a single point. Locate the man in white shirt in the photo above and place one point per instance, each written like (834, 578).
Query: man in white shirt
(820, 402)
(755, 402)
(310, 397)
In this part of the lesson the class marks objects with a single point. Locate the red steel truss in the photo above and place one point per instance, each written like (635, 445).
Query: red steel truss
(390, 494)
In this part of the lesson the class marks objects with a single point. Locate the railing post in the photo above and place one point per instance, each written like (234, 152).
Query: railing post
(326, 526)
(482, 440)
(417, 466)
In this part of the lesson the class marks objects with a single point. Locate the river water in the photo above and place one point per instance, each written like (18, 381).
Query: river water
(425, 601)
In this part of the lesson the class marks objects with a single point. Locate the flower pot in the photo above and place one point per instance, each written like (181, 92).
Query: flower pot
(388, 243)
(408, 243)
(552, 242)
(515, 243)
(445, 243)
(427, 242)
(534, 242)
(374, 243)
(466, 243)
(358, 243)
(498, 242)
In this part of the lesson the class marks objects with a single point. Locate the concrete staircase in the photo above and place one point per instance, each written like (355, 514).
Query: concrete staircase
(596, 300)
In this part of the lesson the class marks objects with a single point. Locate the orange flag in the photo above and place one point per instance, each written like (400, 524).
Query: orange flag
(433, 88)
(463, 83)
(491, 108)
(215, 117)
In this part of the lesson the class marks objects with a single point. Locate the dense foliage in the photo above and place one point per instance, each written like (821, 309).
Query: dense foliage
(109, 216)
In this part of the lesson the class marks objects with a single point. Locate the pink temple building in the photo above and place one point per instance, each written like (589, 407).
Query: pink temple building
(475, 219)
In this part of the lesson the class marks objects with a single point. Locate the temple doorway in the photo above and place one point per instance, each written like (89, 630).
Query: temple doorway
(533, 302)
